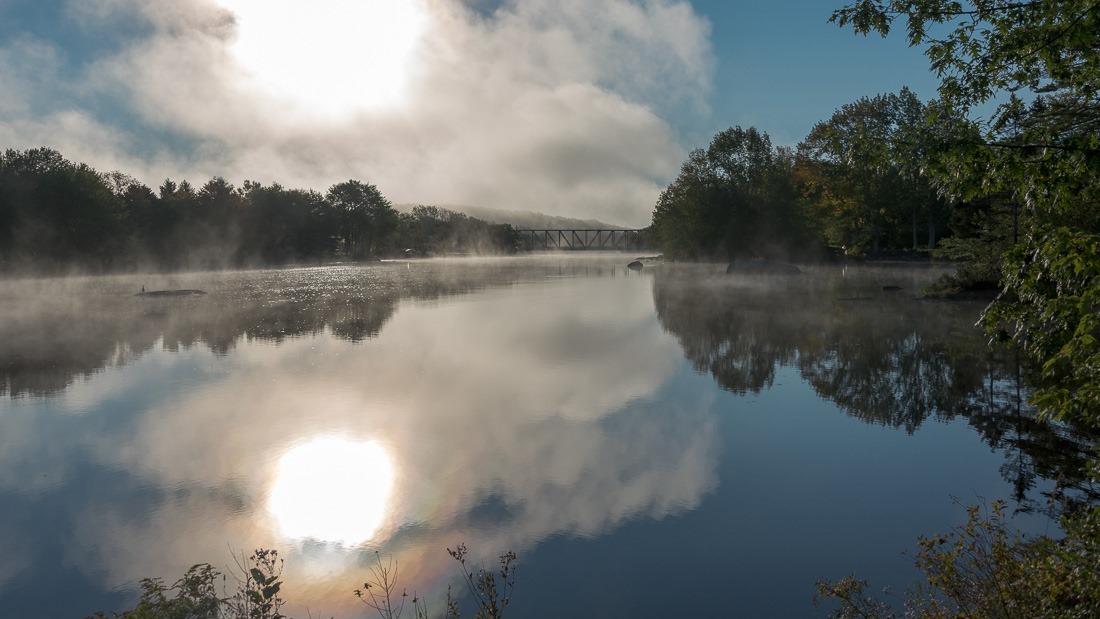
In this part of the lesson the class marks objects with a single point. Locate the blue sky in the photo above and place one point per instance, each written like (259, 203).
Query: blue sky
(570, 107)
(782, 68)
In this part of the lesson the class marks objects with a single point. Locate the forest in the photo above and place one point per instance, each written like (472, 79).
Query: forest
(859, 185)
(57, 216)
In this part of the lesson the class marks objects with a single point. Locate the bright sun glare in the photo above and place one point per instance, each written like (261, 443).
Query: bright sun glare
(332, 57)
(332, 489)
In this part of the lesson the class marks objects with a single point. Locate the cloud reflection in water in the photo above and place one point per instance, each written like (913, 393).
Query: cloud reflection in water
(508, 415)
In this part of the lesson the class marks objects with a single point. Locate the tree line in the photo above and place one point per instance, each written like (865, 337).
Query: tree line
(56, 215)
(858, 184)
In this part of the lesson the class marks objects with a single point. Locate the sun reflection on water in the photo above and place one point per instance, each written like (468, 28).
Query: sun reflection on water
(332, 489)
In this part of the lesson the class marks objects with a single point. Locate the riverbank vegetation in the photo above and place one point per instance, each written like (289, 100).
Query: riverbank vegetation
(856, 185)
(985, 569)
(1023, 186)
(201, 593)
(57, 215)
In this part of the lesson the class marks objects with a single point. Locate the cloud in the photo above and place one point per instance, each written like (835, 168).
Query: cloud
(562, 107)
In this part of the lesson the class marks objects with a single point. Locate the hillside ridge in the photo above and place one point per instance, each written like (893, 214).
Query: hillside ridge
(522, 219)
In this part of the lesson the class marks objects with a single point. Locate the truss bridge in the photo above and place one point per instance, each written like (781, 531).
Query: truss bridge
(606, 240)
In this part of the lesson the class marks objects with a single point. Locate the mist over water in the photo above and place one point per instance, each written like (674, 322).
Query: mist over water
(610, 426)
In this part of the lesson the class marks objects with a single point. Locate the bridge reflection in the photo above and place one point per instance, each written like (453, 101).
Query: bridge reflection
(534, 240)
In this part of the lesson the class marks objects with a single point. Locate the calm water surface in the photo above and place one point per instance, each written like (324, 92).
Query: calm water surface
(671, 442)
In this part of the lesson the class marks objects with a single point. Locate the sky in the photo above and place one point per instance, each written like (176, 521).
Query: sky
(580, 108)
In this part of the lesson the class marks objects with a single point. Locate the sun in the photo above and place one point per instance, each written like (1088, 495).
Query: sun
(332, 489)
(329, 57)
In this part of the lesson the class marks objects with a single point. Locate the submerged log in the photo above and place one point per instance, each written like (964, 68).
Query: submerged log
(170, 293)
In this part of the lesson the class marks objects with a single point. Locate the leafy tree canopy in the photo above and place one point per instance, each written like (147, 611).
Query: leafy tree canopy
(734, 199)
(1038, 64)
(864, 173)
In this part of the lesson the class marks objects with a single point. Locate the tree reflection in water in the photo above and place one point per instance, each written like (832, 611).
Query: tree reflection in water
(56, 330)
(880, 356)
(883, 357)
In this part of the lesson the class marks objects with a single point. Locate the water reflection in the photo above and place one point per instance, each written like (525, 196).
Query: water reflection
(500, 404)
(881, 356)
(507, 416)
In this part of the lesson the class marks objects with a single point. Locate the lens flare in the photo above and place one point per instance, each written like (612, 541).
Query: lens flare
(332, 489)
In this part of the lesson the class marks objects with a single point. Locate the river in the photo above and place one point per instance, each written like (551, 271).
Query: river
(669, 442)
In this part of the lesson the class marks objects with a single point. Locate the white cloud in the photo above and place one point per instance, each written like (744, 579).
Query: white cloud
(559, 106)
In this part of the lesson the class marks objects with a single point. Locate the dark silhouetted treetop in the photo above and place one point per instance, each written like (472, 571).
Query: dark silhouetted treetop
(736, 199)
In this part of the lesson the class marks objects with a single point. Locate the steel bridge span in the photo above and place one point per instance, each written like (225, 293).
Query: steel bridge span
(609, 240)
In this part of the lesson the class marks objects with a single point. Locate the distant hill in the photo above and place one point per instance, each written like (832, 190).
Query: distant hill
(523, 219)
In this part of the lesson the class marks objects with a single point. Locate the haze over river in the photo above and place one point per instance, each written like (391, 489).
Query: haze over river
(673, 442)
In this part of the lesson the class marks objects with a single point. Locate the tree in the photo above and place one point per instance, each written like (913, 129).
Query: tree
(219, 203)
(366, 218)
(54, 212)
(863, 173)
(431, 229)
(734, 199)
(1039, 63)
(286, 225)
(687, 219)
(920, 133)
(209, 233)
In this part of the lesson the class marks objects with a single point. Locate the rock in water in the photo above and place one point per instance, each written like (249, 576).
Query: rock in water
(635, 266)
